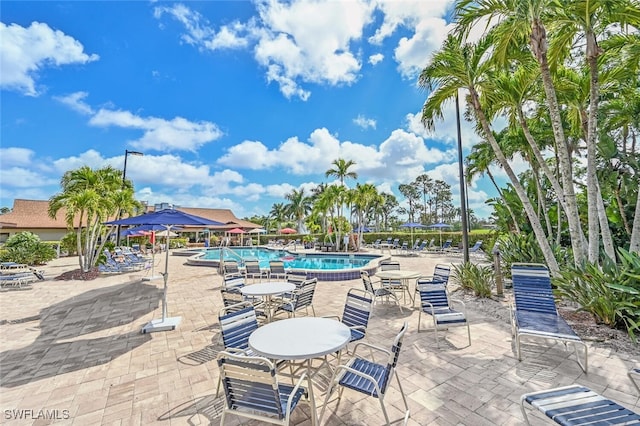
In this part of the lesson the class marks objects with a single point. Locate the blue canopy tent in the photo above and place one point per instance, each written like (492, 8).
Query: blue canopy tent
(412, 225)
(168, 219)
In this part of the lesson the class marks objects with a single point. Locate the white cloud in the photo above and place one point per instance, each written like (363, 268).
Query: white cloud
(75, 101)
(199, 31)
(445, 130)
(406, 14)
(188, 200)
(160, 134)
(90, 158)
(26, 51)
(290, 40)
(285, 39)
(20, 177)
(13, 156)
(400, 158)
(364, 122)
(414, 53)
(375, 59)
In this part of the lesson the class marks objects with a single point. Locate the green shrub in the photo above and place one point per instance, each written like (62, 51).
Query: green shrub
(26, 247)
(610, 293)
(524, 248)
(476, 278)
(69, 245)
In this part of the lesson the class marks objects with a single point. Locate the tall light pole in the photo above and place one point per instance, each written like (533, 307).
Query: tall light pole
(463, 197)
(124, 178)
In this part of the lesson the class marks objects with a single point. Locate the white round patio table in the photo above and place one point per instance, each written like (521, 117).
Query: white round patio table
(266, 290)
(404, 275)
(300, 339)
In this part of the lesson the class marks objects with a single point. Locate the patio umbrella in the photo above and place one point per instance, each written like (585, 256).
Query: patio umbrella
(258, 231)
(168, 219)
(412, 225)
(439, 227)
(287, 231)
(236, 231)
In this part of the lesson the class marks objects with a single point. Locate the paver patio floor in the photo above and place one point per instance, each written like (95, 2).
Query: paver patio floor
(73, 350)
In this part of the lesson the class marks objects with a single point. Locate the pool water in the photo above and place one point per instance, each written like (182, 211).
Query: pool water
(304, 261)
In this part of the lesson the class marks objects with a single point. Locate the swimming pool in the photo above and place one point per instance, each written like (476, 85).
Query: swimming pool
(324, 266)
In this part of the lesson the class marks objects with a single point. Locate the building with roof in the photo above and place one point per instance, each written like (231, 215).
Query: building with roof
(33, 216)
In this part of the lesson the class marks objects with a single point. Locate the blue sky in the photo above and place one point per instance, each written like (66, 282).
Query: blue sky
(233, 103)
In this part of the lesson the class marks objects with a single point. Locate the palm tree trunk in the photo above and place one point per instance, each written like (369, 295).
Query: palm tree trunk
(550, 259)
(596, 210)
(539, 47)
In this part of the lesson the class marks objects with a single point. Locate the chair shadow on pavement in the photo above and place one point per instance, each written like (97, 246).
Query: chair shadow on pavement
(208, 406)
(60, 347)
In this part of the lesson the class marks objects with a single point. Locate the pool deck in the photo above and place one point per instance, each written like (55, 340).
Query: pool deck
(75, 349)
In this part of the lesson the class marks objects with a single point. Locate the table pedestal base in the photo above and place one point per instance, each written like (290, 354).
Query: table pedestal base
(162, 325)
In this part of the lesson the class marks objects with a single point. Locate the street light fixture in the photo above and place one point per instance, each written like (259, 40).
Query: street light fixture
(124, 178)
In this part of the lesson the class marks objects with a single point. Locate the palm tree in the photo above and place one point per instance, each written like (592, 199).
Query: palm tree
(341, 170)
(366, 196)
(521, 23)
(278, 213)
(92, 197)
(457, 65)
(591, 19)
(299, 206)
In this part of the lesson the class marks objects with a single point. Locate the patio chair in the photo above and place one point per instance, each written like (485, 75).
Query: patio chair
(252, 389)
(441, 273)
(277, 271)
(634, 375)
(368, 377)
(577, 405)
(356, 313)
(388, 283)
(233, 282)
(435, 301)
(301, 298)
(379, 292)
(534, 313)
(252, 270)
(237, 322)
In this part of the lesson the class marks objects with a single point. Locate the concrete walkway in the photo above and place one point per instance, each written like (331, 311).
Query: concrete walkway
(73, 351)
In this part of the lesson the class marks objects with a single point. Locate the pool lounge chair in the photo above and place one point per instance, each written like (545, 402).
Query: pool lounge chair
(578, 405)
(534, 313)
